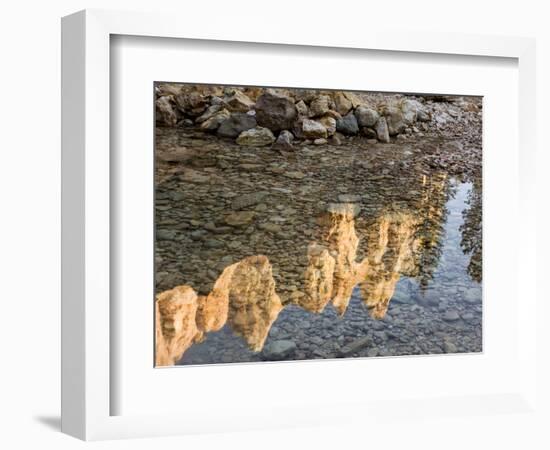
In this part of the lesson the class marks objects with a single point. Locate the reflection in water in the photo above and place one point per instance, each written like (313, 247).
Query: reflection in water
(400, 241)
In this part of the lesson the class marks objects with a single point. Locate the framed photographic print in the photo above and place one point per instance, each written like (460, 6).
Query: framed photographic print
(251, 219)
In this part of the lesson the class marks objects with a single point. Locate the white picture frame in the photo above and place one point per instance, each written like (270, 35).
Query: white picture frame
(87, 325)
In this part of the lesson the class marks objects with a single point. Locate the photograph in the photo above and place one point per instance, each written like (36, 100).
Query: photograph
(305, 223)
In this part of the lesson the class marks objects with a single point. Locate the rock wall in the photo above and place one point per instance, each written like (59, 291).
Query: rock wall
(260, 117)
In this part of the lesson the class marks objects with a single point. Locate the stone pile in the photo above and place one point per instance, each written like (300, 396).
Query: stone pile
(260, 117)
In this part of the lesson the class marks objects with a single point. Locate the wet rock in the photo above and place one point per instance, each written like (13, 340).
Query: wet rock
(247, 200)
(348, 125)
(166, 235)
(295, 175)
(275, 111)
(369, 133)
(320, 141)
(279, 350)
(166, 112)
(313, 130)
(238, 102)
(382, 130)
(235, 124)
(349, 198)
(451, 315)
(256, 137)
(285, 139)
(319, 106)
(355, 346)
(366, 117)
(240, 219)
(336, 139)
(449, 347)
(215, 120)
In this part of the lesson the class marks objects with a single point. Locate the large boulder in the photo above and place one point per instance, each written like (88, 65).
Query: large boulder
(192, 103)
(342, 104)
(238, 102)
(166, 113)
(236, 124)
(313, 129)
(366, 117)
(275, 111)
(382, 130)
(319, 105)
(256, 137)
(399, 115)
(348, 125)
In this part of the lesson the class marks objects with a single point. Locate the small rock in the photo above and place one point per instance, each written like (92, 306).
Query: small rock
(296, 175)
(256, 137)
(278, 350)
(451, 315)
(382, 130)
(320, 141)
(355, 346)
(240, 219)
(247, 200)
(285, 139)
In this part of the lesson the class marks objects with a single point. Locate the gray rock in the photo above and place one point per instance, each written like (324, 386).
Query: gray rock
(347, 125)
(236, 124)
(449, 347)
(240, 219)
(275, 111)
(256, 137)
(349, 198)
(366, 117)
(320, 141)
(355, 346)
(451, 315)
(382, 130)
(278, 350)
(247, 200)
(285, 139)
(166, 235)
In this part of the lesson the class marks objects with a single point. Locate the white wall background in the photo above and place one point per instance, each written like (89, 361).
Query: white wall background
(30, 190)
